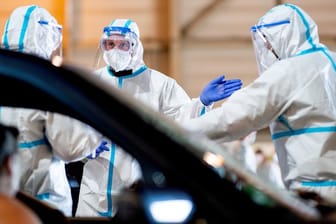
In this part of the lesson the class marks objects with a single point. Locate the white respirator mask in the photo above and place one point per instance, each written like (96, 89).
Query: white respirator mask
(117, 59)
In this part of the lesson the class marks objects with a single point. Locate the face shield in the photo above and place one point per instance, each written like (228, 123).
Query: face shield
(49, 38)
(117, 45)
(266, 55)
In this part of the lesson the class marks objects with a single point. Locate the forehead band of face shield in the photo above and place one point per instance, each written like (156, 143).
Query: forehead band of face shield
(109, 30)
(267, 25)
(43, 22)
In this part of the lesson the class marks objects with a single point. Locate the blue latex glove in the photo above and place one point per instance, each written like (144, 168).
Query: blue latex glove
(101, 148)
(219, 89)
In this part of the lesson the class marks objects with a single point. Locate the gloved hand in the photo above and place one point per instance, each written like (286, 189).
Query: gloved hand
(219, 89)
(101, 148)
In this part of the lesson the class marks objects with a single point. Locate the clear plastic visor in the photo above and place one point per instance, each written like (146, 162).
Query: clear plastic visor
(260, 42)
(264, 52)
(52, 35)
(259, 39)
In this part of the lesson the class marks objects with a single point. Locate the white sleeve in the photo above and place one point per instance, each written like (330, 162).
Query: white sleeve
(178, 105)
(71, 140)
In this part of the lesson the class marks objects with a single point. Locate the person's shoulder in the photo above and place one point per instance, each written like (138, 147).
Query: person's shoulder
(280, 70)
(13, 211)
(161, 75)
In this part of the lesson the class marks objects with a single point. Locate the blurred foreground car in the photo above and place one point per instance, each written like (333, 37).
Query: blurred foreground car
(187, 178)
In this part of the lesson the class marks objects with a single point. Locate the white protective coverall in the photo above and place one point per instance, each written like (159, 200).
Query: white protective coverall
(295, 96)
(105, 176)
(46, 140)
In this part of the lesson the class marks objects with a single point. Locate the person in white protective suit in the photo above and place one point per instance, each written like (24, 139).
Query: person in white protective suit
(104, 177)
(46, 140)
(294, 95)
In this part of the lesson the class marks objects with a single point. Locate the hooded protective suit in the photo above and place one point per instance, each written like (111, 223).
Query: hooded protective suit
(294, 95)
(46, 139)
(104, 177)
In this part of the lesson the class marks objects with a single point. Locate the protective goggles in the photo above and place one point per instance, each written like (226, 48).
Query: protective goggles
(115, 41)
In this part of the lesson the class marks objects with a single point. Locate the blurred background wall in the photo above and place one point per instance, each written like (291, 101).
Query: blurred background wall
(191, 41)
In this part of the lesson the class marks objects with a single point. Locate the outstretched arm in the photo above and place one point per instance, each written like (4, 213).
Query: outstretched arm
(219, 89)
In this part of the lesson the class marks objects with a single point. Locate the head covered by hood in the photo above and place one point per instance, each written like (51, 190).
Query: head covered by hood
(31, 29)
(288, 30)
(130, 30)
